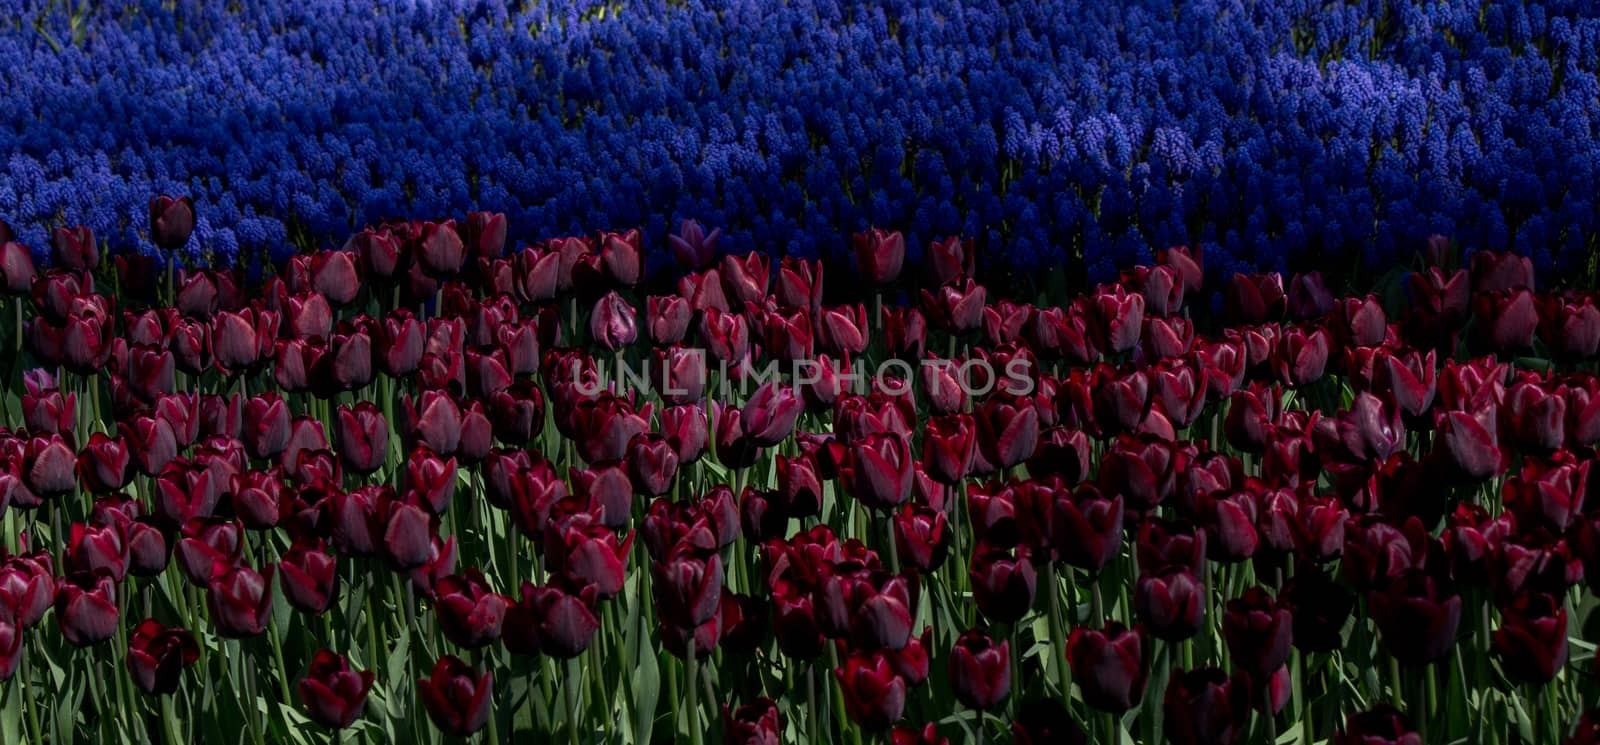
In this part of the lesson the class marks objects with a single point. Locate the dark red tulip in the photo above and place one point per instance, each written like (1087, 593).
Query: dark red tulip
(1319, 608)
(86, 607)
(26, 588)
(438, 250)
(652, 464)
(769, 416)
(921, 536)
(905, 333)
(240, 600)
(207, 546)
(432, 421)
(756, 723)
(613, 324)
(1467, 444)
(1086, 527)
(1493, 271)
(408, 529)
(334, 694)
(956, 307)
(745, 278)
(1253, 299)
(1259, 631)
(667, 318)
(1532, 639)
(1171, 603)
(16, 268)
(785, 336)
(310, 577)
(582, 552)
(687, 587)
(1108, 665)
(1309, 298)
(92, 548)
(10, 649)
(470, 614)
(874, 695)
(361, 437)
(1205, 706)
(1300, 356)
(1142, 470)
(878, 471)
(980, 670)
(1418, 616)
(1003, 582)
(171, 221)
(459, 700)
(1509, 320)
(552, 621)
(1380, 725)
(157, 655)
(878, 254)
(1587, 731)
(1008, 430)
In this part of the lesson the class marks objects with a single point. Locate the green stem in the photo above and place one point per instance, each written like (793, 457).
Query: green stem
(1058, 661)
(574, 680)
(691, 691)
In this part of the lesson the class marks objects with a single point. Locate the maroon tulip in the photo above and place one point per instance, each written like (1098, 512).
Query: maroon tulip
(361, 437)
(1205, 707)
(171, 221)
(240, 600)
(157, 655)
(551, 621)
(86, 607)
(1380, 725)
(980, 670)
(1108, 665)
(1259, 631)
(1509, 320)
(44, 409)
(874, 695)
(10, 649)
(667, 318)
(1309, 297)
(1254, 299)
(921, 537)
(1418, 616)
(905, 333)
(26, 588)
(1008, 430)
(1171, 603)
(687, 587)
(334, 694)
(755, 723)
(310, 577)
(438, 249)
(470, 614)
(878, 254)
(878, 471)
(956, 307)
(1532, 639)
(652, 464)
(769, 416)
(1467, 444)
(1300, 357)
(1003, 582)
(613, 324)
(949, 447)
(97, 549)
(458, 699)
(207, 546)
(1086, 527)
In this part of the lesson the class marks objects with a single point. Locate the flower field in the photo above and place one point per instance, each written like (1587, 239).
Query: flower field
(745, 373)
(434, 485)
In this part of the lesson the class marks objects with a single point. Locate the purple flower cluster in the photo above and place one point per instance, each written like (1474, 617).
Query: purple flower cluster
(1280, 136)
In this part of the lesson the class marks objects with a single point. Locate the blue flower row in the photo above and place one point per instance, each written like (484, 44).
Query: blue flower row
(1278, 134)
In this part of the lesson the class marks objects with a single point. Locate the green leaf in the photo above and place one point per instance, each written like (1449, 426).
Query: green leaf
(646, 693)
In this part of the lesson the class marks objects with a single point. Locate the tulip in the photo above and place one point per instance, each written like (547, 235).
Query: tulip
(407, 532)
(687, 588)
(1003, 582)
(240, 600)
(334, 694)
(799, 486)
(745, 278)
(1259, 631)
(613, 324)
(1418, 616)
(769, 416)
(667, 318)
(157, 655)
(1253, 299)
(439, 250)
(921, 537)
(86, 607)
(878, 254)
(956, 307)
(26, 589)
(97, 549)
(1380, 725)
(310, 577)
(905, 333)
(874, 695)
(1532, 639)
(693, 247)
(361, 437)
(1108, 665)
(50, 465)
(980, 670)
(1318, 608)
(208, 545)
(1008, 430)
(1171, 603)
(1086, 527)
(755, 723)
(171, 221)
(878, 471)
(16, 267)
(458, 699)
(10, 649)
(470, 614)
(1205, 707)
(551, 620)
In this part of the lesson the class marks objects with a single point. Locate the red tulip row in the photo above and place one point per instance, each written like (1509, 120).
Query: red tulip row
(1090, 507)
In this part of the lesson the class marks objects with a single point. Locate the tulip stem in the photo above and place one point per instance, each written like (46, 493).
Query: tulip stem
(979, 727)
(574, 681)
(813, 727)
(169, 721)
(690, 690)
(27, 699)
(1058, 663)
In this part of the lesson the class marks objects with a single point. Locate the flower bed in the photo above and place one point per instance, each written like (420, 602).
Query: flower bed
(421, 486)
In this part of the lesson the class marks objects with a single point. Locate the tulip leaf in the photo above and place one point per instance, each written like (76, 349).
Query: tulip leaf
(646, 693)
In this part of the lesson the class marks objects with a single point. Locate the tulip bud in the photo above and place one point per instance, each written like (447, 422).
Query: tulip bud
(1108, 665)
(980, 670)
(458, 699)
